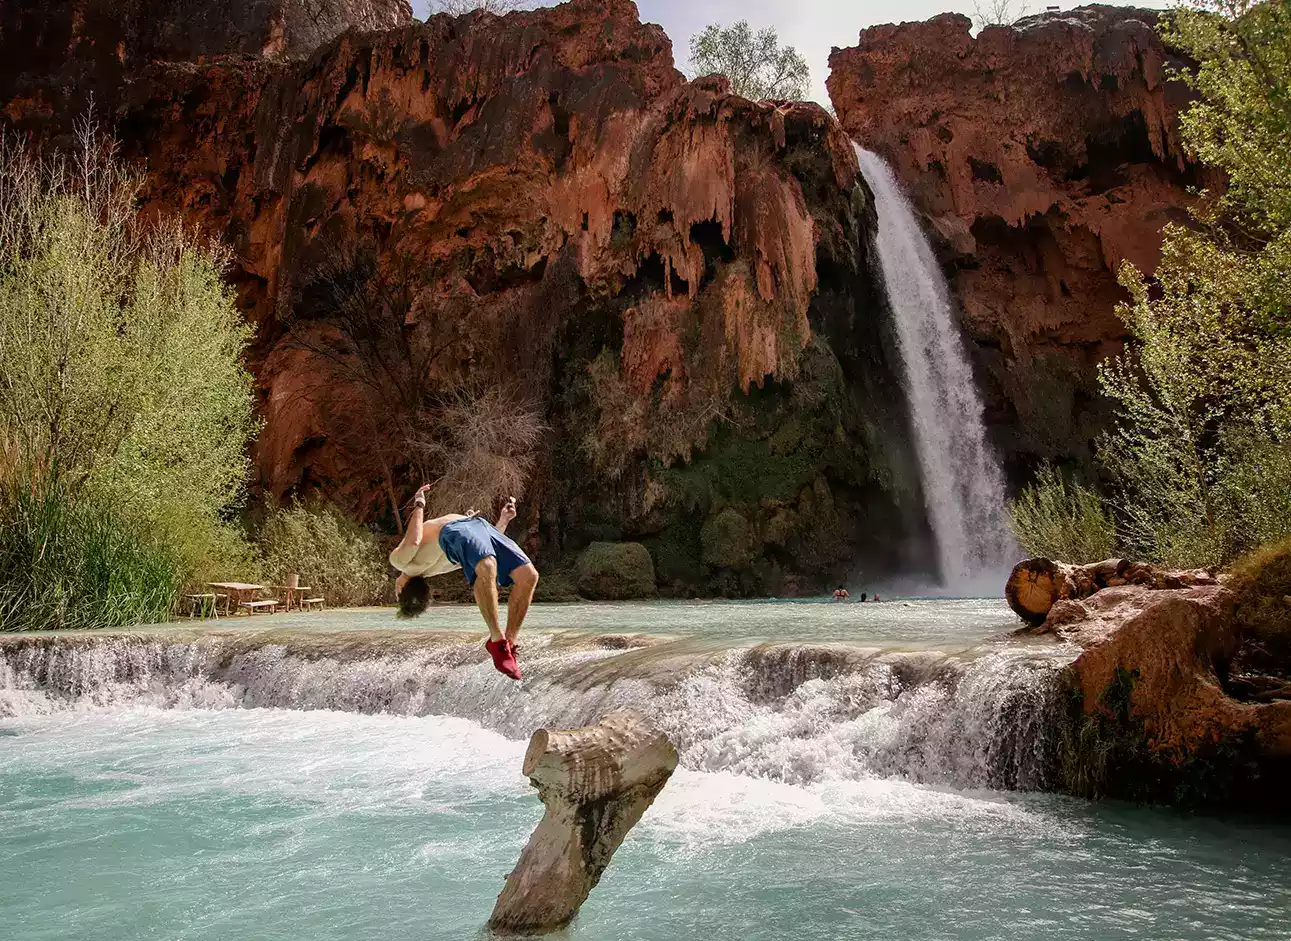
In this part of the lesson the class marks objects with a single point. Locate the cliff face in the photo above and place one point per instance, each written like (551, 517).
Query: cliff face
(1043, 155)
(675, 277)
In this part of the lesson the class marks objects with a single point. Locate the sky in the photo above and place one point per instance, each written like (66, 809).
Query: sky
(810, 26)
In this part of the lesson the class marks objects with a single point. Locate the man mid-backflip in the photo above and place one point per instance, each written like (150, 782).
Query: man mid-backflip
(485, 555)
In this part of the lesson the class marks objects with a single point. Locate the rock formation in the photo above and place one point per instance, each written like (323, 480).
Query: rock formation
(676, 278)
(596, 782)
(613, 571)
(1038, 587)
(1043, 155)
(1152, 713)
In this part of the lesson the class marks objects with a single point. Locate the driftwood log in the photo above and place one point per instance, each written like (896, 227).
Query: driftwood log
(596, 782)
(1037, 584)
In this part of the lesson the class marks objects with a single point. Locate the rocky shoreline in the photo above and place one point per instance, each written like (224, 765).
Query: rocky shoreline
(1154, 713)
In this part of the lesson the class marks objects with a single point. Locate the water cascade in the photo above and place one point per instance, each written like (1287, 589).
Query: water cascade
(793, 713)
(962, 484)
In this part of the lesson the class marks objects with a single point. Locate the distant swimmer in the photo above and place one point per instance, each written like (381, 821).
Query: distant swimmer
(484, 553)
(841, 593)
(876, 597)
(864, 597)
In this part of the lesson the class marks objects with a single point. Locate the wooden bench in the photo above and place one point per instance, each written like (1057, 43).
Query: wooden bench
(308, 603)
(254, 606)
(204, 603)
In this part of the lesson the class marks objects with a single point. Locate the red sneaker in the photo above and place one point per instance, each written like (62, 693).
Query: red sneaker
(504, 658)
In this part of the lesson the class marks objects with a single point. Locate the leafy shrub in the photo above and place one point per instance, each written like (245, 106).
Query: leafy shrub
(332, 554)
(125, 409)
(1060, 519)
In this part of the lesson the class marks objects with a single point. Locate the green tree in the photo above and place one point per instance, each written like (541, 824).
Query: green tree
(1202, 450)
(754, 62)
(125, 409)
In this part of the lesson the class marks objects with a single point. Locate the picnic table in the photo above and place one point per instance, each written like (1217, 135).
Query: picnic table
(241, 594)
(291, 590)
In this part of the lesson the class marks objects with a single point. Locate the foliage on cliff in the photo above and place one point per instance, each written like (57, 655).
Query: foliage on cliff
(125, 410)
(1202, 451)
(754, 62)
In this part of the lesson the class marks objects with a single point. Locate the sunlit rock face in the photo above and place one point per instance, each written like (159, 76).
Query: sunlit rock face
(679, 278)
(1043, 155)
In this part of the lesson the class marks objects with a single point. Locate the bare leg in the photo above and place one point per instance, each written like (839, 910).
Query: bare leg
(526, 580)
(486, 594)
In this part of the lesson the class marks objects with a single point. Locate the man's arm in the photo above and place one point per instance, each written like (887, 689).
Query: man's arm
(416, 522)
(507, 515)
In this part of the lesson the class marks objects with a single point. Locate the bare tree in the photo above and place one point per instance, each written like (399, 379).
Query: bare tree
(482, 444)
(361, 319)
(461, 7)
(998, 12)
(351, 314)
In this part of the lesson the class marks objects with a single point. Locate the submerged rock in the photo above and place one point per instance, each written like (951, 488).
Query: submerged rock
(596, 782)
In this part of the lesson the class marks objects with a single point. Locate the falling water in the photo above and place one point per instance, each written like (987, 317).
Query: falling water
(962, 484)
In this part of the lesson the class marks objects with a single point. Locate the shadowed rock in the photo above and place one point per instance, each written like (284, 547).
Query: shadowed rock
(596, 782)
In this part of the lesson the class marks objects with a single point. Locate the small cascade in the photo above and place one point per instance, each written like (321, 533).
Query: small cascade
(792, 713)
(962, 484)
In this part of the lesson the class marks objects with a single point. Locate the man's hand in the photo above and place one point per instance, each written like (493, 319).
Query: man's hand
(423, 489)
(508, 513)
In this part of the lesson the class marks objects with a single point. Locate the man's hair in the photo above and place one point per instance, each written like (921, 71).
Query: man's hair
(414, 597)
(840, 588)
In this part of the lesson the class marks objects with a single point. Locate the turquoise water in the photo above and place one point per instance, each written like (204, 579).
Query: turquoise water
(319, 782)
(275, 824)
(907, 622)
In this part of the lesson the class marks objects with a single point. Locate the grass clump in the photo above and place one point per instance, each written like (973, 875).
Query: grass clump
(332, 554)
(1062, 519)
(1262, 581)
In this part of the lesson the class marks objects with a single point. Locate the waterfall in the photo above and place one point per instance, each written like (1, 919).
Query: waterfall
(962, 484)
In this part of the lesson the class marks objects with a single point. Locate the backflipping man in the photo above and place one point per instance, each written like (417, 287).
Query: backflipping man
(487, 557)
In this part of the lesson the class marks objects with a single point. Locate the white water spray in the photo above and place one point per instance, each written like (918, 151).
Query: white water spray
(962, 484)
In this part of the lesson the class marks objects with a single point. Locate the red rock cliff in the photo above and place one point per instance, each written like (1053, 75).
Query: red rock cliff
(1043, 155)
(675, 275)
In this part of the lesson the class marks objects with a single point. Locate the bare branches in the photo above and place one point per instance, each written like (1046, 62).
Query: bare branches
(998, 12)
(462, 7)
(386, 347)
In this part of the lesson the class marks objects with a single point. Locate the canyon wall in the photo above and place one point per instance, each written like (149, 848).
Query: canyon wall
(676, 278)
(1043, 155)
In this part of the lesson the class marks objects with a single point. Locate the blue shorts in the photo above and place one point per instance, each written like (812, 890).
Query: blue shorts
(467, 541)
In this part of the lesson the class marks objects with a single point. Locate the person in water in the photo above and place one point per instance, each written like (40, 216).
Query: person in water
(841, 593)
(487, 557)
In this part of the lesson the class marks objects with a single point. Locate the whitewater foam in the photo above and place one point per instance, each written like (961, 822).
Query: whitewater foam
(796, 714)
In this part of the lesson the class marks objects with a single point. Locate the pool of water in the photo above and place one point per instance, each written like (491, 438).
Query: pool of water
(136, 823)
(909, 623)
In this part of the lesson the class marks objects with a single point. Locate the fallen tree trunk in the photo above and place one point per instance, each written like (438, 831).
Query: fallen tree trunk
(596, 782)
(1037, 584)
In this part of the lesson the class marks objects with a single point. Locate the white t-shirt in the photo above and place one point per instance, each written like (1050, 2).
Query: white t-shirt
(427, 560)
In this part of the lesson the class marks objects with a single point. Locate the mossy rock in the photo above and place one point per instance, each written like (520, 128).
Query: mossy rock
(728, 540)
(613, 571)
